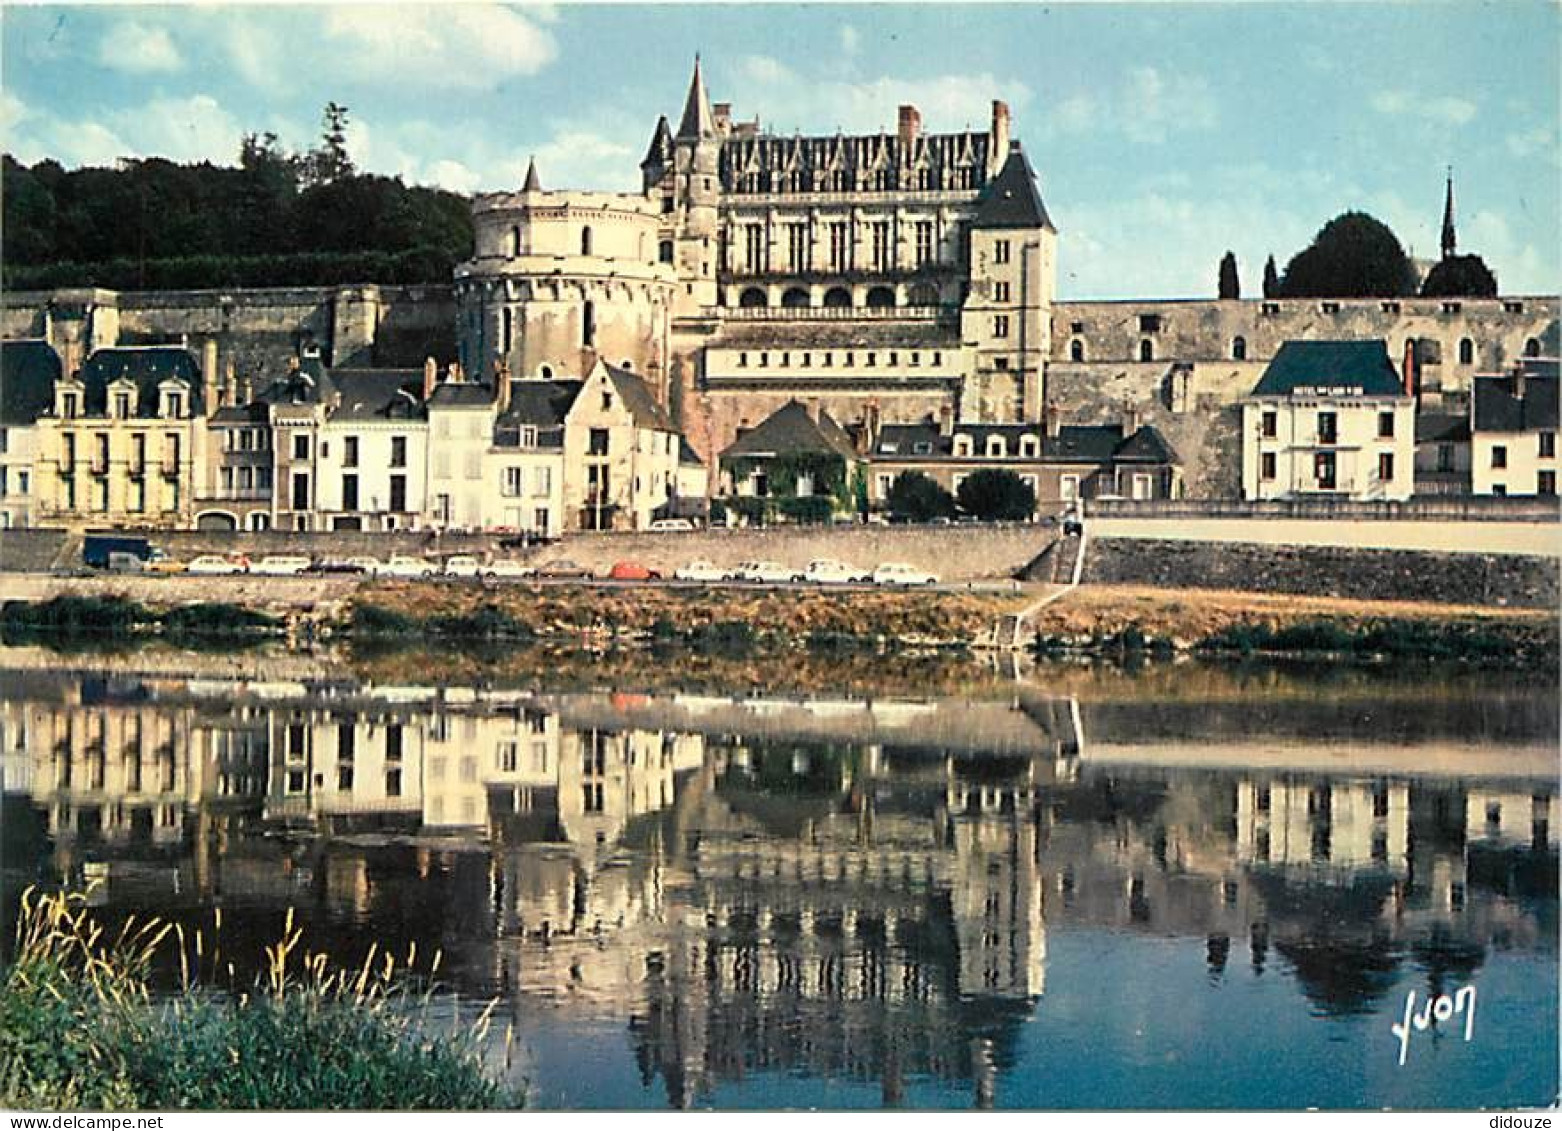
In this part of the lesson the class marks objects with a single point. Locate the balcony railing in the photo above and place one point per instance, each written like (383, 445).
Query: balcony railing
(841, 314)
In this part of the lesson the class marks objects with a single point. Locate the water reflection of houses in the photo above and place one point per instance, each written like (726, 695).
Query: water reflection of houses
(862, 888)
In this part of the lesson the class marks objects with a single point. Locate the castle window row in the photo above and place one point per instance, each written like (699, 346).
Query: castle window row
(848, 359)
(840, 298)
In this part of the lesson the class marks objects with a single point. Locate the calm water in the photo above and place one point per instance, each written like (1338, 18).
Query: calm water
(1191, 887)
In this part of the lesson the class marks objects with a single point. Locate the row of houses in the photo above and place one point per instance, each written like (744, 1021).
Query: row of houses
(1337, 420)
(140, 437)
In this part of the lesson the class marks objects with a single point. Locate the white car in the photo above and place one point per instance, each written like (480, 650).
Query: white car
(899, 573)
(827, 571)
(702, 571)
(462, 565)
(215, 564)
(281, 565)
(667, 525)
(503, 567)
(404, 565)
(769, 572)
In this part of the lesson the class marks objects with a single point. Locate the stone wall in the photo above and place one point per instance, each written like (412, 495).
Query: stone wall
(1373, 575)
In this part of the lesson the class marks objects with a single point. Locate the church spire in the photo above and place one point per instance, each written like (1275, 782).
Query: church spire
(533, 183)
(698, 121)
(1449, 242)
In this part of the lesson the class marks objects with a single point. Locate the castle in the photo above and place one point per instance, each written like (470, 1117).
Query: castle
(905, 279)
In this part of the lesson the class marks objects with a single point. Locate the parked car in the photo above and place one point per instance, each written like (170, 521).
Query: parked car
(899, 573)
(667, 525)
(702, 571)
(632, 571)
(218, 564)
(827, 571)
(405, 565)
(161, 563)
(504, 567)
(339, 566)
(282, 565)
(462, 565)
(563, 568)
(370, 567)
(769, 572)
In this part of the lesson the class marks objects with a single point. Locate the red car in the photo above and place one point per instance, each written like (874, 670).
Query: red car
(632, 571)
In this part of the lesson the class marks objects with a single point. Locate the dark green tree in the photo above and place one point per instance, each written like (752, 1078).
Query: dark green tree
(329, 161)
(1271, 278)
(994, 494)
(1458, 275)
(917, 498)
(1230, 284)
(1352, 256)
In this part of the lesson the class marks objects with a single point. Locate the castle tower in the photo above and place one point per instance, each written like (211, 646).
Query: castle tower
(696, 192)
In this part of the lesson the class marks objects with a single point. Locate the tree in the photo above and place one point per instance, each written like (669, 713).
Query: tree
(1230, 284)
(329, 161)
(1457, 275)
(1271, 278)
(1352, 256)
(917, 498)
(994, 494)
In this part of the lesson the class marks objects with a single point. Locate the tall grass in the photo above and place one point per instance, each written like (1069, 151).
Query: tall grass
(81, 1027)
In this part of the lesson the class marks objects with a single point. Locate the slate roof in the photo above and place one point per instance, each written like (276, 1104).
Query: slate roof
(1442, 428)
(256, 412)
(461, 394)
(687, 456)
(1074, 443)
(1011, 199)
(792, 428)
(660, 151)
(148, 367)
(1331, 365)
(28, 370)
(774, 159)
(541, 404)
(1497, 409)
(378, 394)
(641, 402)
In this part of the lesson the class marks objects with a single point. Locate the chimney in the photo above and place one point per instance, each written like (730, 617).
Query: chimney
(1518, 382)
(946, 420)
(1000, 134)
(502, 389)
(430, 376)
(910, 124)
(209, 375)
(70, 357)
(1130, 418)
(230, 384)
(1409, 373)
(874, 424)
(722, 113)
(246, 390)
(454, 375)
(1053, 419)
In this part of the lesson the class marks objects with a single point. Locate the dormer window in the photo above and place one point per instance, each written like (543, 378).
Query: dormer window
(172, 396)
(962, 445)
(922, 448)
(996, 448)
(69, 403)
(1029, 447)
(528, 436)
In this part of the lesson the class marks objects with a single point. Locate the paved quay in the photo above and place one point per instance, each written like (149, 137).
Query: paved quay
(1530, 539)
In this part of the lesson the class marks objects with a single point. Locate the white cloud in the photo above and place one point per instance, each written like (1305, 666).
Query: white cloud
(851, 40)
(1525, 144)
(1441, 110)
(454, 176)
(13, 111)
(1147, 105)
(196, 128)
(139, 49)
(456, 46)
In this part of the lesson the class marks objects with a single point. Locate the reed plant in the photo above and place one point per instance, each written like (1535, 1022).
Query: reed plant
(81, 1026)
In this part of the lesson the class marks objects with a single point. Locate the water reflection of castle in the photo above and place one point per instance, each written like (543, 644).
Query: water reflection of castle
(855, 888)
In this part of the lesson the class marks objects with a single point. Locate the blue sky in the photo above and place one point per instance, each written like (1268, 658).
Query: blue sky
(1163, 133)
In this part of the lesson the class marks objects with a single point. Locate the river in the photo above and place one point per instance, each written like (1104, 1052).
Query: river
(1070, 886)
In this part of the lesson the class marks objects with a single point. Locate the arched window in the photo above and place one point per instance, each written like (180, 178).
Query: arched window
(795, 298)
(880, 298)
(1076, 350)
(506, 336)
(752, 297)
(512, 242)
(545, 372)
(588, 324)
(1239, 348)
(1466, 352)
(996, 447)
(1146, 350)
(1532, 347)
(837, 298)
(585, 240)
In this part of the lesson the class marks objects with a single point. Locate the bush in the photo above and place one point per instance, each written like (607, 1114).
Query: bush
(994, 494)
(79, 1029)
(724, 636)
(917, 498)
(76, 614)
(216, 619)
(488, 621)
(753, 510)
(808, 510)
(372, 620)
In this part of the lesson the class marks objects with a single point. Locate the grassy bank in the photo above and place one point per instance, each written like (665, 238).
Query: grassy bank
(114, 616)
(80, 1027)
